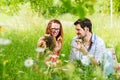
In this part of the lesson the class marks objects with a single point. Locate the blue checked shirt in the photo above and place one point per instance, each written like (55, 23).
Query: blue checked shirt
(98, 50)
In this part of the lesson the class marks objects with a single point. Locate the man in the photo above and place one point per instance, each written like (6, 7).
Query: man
(88, 47)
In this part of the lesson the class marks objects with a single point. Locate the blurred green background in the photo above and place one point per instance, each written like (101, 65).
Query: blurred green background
(24, 21)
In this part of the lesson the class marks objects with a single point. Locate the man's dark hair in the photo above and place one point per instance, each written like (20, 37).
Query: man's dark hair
(84, 23)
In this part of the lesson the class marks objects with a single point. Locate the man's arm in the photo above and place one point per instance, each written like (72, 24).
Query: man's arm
(99, 51)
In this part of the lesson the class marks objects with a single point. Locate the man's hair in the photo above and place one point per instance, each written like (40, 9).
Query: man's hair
(84, 23)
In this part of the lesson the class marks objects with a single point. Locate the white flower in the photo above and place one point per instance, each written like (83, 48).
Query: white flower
(4, 41)
(40, 49)
(28, 62)
(85, 60)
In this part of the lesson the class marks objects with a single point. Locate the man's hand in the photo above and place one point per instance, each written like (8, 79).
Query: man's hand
(80, 46)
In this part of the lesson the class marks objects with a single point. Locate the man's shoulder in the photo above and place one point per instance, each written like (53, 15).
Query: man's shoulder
(97, 39)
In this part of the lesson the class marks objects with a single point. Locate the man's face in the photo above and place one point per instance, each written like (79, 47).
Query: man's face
(80, 31)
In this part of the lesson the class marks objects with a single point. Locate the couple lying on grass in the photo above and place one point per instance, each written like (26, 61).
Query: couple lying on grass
(86, 46)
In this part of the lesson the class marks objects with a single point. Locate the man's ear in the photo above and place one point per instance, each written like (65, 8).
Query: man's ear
(86, 29)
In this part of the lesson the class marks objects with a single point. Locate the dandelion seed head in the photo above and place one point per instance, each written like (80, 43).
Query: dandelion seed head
(28, 62)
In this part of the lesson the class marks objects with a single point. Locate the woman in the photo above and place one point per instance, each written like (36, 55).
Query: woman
(54, 29)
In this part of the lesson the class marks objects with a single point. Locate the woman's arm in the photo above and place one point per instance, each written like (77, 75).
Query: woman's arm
(58, 47)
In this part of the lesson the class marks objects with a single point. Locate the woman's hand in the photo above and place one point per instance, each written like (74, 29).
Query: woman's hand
(58, 47)
(41, 43)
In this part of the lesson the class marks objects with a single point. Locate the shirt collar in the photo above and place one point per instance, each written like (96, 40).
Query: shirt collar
(93, 38)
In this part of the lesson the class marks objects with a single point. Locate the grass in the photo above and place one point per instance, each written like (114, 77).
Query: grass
(24, 34)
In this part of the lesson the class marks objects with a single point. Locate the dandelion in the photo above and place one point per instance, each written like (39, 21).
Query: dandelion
(40, 49)
(4, 41)
(28, 62)
(50, 42)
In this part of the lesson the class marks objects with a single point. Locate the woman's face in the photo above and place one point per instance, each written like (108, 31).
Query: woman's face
(55, 29)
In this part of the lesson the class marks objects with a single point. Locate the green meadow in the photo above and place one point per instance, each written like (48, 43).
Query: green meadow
(24, 30)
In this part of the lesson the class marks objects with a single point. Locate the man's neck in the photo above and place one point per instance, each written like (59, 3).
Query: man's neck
(87, 38)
